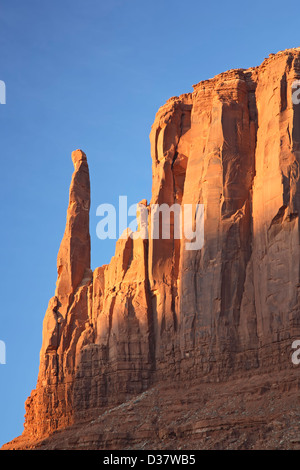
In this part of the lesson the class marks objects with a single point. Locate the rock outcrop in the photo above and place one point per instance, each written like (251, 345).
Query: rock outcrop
(66, 321)
(160, 313)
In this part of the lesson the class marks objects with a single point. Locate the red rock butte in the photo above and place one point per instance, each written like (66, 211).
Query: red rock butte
(166, 348)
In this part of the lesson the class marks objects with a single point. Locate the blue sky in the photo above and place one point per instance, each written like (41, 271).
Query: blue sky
(91, 74)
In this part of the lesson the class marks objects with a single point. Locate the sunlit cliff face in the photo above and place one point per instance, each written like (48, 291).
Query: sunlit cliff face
(159, 311)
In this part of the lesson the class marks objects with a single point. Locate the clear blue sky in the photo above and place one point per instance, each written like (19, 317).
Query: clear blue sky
(91, 74)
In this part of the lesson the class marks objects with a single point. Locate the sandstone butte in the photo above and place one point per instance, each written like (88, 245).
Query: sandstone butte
(166, 348)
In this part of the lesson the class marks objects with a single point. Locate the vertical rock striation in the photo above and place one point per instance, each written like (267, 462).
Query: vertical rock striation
(161, 312)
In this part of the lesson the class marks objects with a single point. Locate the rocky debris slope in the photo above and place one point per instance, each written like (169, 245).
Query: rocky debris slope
(260, 413)
(160, 315)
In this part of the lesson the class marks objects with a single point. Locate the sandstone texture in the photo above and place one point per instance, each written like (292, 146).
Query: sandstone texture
(173, 348)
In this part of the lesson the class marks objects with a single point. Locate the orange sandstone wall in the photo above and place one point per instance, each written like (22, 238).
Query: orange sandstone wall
(158, 311)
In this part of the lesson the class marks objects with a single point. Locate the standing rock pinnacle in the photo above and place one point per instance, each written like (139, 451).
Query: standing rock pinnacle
(74, 253)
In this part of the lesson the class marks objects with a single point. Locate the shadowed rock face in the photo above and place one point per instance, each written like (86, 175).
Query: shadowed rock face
(158, 312)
